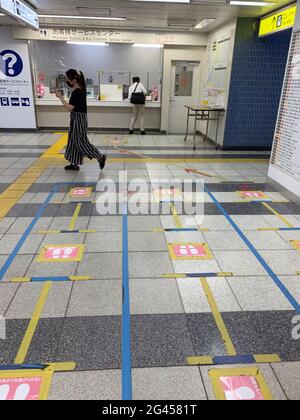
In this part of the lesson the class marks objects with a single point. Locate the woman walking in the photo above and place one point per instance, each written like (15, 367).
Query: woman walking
(78, 143)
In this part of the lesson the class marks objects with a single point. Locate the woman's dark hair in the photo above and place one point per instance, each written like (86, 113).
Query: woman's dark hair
(136, 80)
(79, 77)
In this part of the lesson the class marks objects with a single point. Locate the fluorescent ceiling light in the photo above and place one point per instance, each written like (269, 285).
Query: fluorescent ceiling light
(147, 46)
(204, 23)
(92, 44)
(82, 17)
(250, 3)
(2, 14)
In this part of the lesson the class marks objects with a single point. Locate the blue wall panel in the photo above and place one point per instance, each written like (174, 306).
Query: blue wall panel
(255, 89)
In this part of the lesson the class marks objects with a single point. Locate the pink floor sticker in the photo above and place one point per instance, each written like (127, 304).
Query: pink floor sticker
(80, 192)
(61, 253)
(20, 389)
(296, 244)
(167, 192)
(189, 251)
(252, 194)
(241, 388)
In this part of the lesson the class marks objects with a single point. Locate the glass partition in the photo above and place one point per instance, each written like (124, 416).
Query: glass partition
(111, 82)
(115, 65)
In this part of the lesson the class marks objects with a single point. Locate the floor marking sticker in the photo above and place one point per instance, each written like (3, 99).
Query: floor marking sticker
(167, 194)
(80, 192)
(246, 384)
(296, 244)
(61, 253)
(190, 251)
(25, 385)
(252, 195)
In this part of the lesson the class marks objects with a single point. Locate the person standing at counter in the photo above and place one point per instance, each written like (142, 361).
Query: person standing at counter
(137, 96)
(78, 143)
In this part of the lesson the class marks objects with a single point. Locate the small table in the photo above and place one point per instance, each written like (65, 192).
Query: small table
(203, 114)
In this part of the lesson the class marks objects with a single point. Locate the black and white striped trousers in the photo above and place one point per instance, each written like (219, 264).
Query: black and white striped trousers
(78, 145)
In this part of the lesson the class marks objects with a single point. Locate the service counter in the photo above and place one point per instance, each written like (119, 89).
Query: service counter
(101, 114)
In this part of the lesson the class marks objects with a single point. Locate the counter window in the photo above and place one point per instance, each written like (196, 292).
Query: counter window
(51, 59)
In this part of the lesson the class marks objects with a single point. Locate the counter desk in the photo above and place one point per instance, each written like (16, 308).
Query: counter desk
(203, 114)
(101, 114)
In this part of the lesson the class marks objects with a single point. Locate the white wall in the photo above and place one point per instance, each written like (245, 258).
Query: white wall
(285, 159)
(226, 30)
(184, 54)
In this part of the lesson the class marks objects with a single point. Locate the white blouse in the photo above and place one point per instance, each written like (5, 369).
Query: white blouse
(139, 89)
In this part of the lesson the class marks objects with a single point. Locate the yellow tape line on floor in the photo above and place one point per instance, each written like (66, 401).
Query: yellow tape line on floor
(22, 353)
(218, 318)
(176, 217)
(75, 217)
(282, 218)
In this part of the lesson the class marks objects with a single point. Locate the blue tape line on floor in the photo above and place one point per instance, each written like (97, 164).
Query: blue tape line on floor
(192, 275)
(77, 183)
(268, 269)
(233, 360)
(80, 202)
(287, 229)
(126, 327)
(21, 367)
(181, 230)
(260, 201)
(44, 279)
(27, 232)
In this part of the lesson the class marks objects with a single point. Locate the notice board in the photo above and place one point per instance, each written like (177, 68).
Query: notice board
(285, 158)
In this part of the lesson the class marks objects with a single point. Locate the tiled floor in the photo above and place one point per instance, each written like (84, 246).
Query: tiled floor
(248, 290)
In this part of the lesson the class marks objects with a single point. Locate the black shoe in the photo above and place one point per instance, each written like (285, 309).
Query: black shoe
(102, 162)
(131, 132)
(143, 133)
(72, 168)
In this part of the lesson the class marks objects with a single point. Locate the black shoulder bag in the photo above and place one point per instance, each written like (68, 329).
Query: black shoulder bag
(137, 98)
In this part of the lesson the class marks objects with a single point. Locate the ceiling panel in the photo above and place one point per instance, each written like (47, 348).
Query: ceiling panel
(144, 15)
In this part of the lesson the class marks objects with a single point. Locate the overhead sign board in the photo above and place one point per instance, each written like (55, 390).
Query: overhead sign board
(110, 35)
(280, 21)
(20, 11)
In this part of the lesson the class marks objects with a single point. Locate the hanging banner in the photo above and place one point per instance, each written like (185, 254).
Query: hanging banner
(16, 91)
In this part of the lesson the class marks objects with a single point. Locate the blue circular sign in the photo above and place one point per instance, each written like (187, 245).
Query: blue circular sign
(13, 63)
